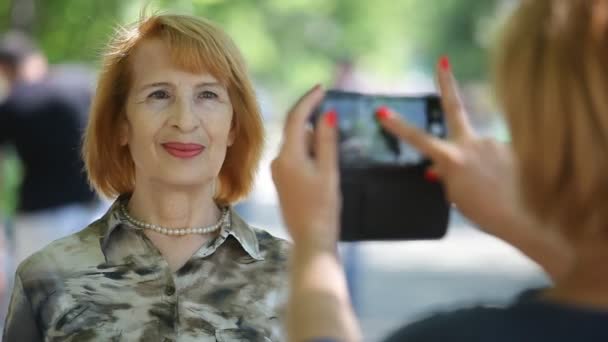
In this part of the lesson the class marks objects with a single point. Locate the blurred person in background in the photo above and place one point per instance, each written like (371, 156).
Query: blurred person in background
(549, 186)
(43, 117)
(175, 135)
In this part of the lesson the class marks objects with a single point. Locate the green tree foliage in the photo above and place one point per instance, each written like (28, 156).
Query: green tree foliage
(289, 44)
(67, 30)
(460, 28)
(293, 44)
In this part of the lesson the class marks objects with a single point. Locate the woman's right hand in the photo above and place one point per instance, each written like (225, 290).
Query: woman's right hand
(479, 176)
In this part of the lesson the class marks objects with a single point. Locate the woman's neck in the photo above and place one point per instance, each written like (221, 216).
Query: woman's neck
(586, 284)
(174, 208)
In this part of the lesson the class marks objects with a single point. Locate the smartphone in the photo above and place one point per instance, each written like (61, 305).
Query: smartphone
(385, 195)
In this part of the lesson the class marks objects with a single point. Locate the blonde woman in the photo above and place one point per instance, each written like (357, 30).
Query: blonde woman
(552, 81)
(175, 134)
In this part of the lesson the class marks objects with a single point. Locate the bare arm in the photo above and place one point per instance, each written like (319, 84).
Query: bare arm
(319, 304)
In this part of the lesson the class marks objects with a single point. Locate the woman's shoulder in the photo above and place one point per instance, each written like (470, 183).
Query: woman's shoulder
(267, 240)
(270, 246)
(527, 319)
(72, 252)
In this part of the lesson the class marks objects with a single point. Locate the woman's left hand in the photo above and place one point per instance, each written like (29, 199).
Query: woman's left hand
(308, 186)
(307, 180)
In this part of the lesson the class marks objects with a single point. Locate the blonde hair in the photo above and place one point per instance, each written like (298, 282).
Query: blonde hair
(552, 81)
(196, 45)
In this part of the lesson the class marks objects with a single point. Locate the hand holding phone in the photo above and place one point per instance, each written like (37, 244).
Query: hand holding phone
(385, 194)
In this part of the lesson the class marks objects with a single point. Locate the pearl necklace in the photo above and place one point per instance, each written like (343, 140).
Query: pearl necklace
(224, 219)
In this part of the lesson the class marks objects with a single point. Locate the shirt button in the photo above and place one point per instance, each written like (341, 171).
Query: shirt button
(170, 290)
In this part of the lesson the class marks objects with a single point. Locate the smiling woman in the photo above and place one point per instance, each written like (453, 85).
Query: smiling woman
(175, 135)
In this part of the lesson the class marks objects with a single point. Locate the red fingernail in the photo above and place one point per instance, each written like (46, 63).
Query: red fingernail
(431, 176)
(444, 63)
(383, 113)
(331, 118)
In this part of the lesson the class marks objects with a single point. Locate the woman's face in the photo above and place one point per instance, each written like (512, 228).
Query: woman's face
(178, 124)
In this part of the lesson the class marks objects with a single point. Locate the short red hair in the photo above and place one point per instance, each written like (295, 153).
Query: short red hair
(196, 45)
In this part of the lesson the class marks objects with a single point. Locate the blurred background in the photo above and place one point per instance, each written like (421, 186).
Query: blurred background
(381, 46)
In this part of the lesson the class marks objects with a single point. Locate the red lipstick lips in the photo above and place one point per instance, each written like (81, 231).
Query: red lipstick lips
(183, 150)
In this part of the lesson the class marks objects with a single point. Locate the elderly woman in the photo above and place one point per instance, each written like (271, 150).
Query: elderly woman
(176, 135)
(552, 81)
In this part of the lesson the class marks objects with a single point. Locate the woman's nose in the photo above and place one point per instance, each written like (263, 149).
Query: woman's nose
(183, 116)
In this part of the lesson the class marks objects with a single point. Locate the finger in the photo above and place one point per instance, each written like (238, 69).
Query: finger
(294, 133)
(434, 148)
(457, 121)
(310, 141)
(326, 144)
(431, 174)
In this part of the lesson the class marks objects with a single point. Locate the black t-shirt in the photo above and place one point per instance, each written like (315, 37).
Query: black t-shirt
(528, 319)
(45, 121)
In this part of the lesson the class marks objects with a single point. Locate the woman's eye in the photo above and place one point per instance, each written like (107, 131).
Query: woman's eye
(207, 95)
(159, 95)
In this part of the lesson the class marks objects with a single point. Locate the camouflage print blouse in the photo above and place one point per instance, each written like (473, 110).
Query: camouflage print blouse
(109, 283)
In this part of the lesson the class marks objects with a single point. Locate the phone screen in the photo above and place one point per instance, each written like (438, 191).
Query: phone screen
(363, 142)
(384, 193)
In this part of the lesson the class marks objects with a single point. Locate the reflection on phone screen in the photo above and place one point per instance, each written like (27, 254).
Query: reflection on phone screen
(363, 142)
